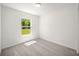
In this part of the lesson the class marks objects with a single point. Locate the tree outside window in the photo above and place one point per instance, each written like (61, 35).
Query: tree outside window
(26, 26)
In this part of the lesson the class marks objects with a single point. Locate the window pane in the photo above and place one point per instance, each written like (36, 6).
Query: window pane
(25, 31)
(25, 22)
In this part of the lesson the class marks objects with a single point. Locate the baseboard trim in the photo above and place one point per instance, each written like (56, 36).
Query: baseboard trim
(17, 44)
(62, 45)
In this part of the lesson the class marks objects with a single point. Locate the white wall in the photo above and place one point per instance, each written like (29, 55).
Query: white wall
(0, 28)
(78, 28)
(58, 24)
(11, 26)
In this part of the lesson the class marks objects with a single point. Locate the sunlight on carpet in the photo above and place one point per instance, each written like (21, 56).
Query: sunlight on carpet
(30, 43)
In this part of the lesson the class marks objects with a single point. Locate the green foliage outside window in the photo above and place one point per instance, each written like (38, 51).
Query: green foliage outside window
(25, 23)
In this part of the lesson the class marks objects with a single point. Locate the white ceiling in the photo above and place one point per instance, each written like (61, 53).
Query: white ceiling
(32, 9)
(26, 7)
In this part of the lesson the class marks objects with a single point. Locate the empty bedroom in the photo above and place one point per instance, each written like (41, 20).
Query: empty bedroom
(39, 29)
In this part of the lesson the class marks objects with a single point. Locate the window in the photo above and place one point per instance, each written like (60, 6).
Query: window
(26, 26)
